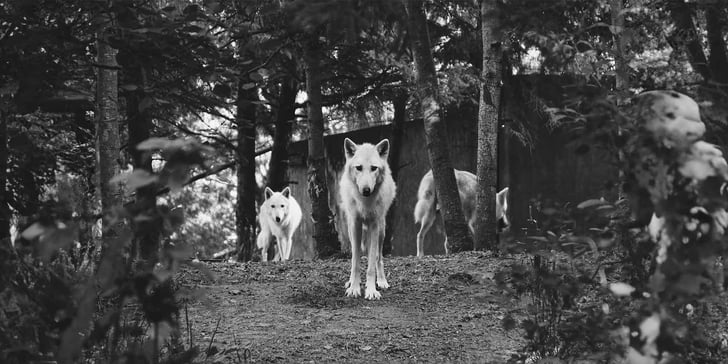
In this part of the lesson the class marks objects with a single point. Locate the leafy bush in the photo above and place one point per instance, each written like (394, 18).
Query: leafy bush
(120, 310)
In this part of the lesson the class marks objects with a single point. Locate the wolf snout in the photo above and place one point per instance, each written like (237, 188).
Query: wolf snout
(278, 219)
(366, 191)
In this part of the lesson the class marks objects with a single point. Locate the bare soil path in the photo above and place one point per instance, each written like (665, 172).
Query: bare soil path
(439, 309)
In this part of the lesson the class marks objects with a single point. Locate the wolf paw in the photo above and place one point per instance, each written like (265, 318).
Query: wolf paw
(347, 284)
(372, 294)
(353, 291)
(382, 283)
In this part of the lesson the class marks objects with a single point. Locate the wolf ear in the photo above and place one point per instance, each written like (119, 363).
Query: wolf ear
(286, 192)
(383, 148)
(268, 193)
(502, 197)
(349, 148)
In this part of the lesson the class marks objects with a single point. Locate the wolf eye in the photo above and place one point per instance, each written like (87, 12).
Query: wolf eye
(273, 206)
(358, 168)
(374, 168)
(283, 205)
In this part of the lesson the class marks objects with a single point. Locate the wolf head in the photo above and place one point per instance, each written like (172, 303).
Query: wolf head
(501, 208)
(277, 204)
(366, 164)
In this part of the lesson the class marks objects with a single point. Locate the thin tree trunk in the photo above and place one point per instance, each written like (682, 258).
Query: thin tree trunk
(486, 236)
(400, 114)
(715, 15)
(324, 232)
(108, 147)
(622, 71)
(279, 158)
(84, 131)
(686, 36)
(435, 134)
(247, 188)
(620, 57)
(4, 207)
(107, 132)
(139, 123)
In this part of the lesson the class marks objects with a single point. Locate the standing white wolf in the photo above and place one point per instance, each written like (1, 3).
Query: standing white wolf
(279, 217)
(366, 190)
(426, 207)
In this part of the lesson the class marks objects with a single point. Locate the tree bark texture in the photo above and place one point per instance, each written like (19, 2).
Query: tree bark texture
(324, 232)
(279, 158)
(486, 236)
(718, 62)
(620, 46)
(4, 207)
(107, 133)
(400, 115)
(146, 230)
(247, 188)
(109, 157)
(686, 37)
(448, 198)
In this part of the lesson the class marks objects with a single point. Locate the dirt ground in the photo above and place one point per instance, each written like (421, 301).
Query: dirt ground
(439, 309)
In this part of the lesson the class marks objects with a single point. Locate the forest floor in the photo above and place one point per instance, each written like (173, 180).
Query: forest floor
(438, 309)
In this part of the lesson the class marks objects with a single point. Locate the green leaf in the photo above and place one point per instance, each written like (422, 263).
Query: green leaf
(590, 203)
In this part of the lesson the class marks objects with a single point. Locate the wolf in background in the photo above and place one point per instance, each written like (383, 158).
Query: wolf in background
(366, 190)
(426, 207)
(279, 217)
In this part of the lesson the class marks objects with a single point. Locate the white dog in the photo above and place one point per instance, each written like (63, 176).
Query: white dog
(279, 217)
(426, 207)
(366, 190)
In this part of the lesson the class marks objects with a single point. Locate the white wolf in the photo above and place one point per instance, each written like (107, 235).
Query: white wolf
(366, 190)
(279, 217)
(426, 207)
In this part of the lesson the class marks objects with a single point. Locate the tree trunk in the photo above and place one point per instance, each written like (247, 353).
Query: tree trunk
(107, 132)
(84, 131)
(247, 187)
(435, 134)
(718, 63)
(146, 231)
(279, 158)
(108, 147)
(4, 207)
(400, 114)
(486, 236)
(686, 36)
(324, 232)
(620, 57)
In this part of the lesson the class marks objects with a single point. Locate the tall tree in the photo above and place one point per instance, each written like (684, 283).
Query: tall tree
(488, 118)
(324, 232)
(285, 116)
(107, 118)
(435, 133)
(620, 45)
(4, 207)
(108, 147)
(247, 188)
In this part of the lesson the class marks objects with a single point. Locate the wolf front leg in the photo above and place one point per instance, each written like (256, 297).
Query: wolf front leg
(371, 238)
(353, 286)
(263, 242)
(381, 278)
(285, 243)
